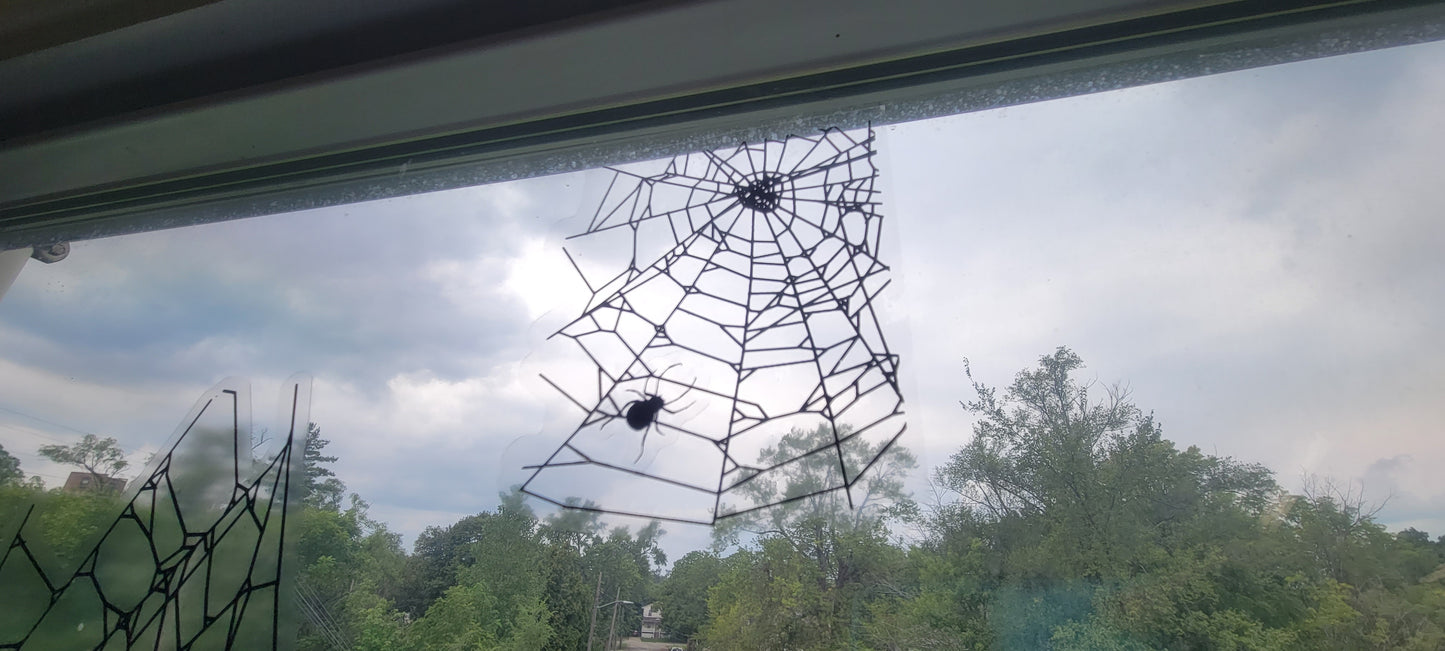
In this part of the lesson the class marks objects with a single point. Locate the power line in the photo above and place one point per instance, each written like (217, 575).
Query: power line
(315, 611)
(47, 422)
(27, 432)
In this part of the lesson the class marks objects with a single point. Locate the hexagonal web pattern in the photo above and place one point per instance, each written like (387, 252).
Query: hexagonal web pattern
(746, 311)
(193, 560)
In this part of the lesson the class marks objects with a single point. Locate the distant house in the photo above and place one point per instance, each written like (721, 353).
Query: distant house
(651, 622)
(84, 481)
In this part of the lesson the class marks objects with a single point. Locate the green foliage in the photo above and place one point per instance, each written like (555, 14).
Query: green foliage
(682, 596)
(9, 468)
(938, 603)
(458, 620)
(375, 624)
(320, 487)
(878, 497)
(767, 599)
(1090, 484)
(1066, 522)
(64, 528)
(61, 531)
(809, 569)
(101, 457)
(473, 615)
(494, 580)
(1091, 531)
(350, 564)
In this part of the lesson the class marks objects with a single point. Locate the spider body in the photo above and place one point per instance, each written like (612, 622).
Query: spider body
(642, 413)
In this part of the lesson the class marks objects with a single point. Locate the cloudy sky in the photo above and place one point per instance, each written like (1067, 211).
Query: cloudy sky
(1257, 255)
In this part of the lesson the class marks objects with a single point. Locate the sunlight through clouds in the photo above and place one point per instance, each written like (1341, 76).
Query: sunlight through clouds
(1255, 254)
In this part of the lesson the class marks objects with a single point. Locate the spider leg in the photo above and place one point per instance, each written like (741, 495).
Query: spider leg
(642, 447)
(663, 375)
(680, 409)
(686, 391)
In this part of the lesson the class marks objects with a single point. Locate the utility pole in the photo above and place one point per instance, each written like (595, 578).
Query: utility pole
(593, 626)
(616, 601)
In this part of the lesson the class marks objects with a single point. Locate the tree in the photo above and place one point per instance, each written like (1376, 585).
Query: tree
(9, 468)
(818, 525)
(682, 597)
(878, 497)
(1090, 478)
(102, 458)
(436, 555)
(498, 600)
(1073, 525)
(320, 489)
(350, 565)
(812, 563)
(1096, 532)
(768, 598)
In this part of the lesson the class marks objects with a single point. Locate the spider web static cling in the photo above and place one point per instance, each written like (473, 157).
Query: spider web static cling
(747, 307)
(194, 560)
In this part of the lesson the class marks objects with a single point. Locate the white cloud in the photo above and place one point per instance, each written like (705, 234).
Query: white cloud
(1273, 288)
(1257, 254)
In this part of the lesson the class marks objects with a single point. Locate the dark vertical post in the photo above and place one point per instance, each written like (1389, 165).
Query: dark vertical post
(611, 630)
(593, 626)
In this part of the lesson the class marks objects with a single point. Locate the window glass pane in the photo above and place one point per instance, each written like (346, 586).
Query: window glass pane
(1192, 326)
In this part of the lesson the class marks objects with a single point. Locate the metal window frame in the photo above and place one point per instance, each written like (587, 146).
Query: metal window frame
(751, 69)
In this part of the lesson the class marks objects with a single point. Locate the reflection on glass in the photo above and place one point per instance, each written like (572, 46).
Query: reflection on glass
(749, 278)
(190, 556)
(1191, 327)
